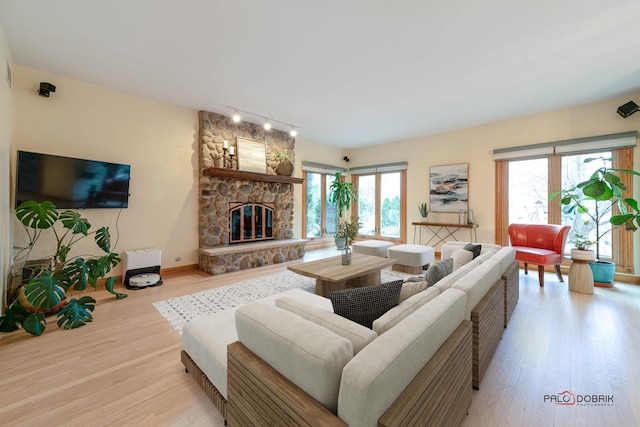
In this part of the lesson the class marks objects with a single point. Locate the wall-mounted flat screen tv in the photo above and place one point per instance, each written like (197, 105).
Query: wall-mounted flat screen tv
(71, 183)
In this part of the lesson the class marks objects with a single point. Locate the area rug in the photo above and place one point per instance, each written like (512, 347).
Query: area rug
(180, 310)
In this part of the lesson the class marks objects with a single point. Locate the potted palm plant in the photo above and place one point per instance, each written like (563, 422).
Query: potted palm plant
(597, 198)
(342, 194)
(50, 289)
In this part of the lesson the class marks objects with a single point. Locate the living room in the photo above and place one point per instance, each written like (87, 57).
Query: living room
(159, 141)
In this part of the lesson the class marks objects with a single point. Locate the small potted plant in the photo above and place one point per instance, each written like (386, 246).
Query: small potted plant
(581, 250)
(424, 210)
(349, 230)
(284, 166)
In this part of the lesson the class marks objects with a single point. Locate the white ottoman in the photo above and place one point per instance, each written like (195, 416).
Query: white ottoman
(411, 258)
(372, 247)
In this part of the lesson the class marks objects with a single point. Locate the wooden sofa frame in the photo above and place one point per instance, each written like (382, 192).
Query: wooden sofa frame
(439, 395)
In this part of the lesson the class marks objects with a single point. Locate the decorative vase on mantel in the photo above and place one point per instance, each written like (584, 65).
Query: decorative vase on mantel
(284, 167)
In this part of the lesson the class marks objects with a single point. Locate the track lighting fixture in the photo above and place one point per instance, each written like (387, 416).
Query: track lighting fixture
(268, 122)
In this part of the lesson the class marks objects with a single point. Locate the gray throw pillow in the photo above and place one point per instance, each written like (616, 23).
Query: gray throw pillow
(475, 249)
(437, 270)
(366, 304)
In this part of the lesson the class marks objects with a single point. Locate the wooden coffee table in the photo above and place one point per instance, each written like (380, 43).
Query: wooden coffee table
(331, 275)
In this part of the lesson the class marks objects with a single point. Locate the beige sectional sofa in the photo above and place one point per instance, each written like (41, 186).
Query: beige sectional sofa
(289, 360)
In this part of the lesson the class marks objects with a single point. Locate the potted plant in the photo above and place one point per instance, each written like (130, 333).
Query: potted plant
(342, 194)
(424, 210)
(51, 288)
(596, 198)
(284, 166)
(581, 250)
(349, 230)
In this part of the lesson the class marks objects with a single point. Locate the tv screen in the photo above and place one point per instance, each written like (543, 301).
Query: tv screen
(71, 183)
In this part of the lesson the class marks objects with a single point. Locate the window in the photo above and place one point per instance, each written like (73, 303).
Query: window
(525, 176)
(381, 202)
(319, 216)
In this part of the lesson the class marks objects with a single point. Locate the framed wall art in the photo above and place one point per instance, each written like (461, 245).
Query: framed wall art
(252, 155)
(449, 188)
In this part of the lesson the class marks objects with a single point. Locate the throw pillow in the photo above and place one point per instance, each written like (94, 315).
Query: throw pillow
(475, 249)
(461, 256)
(439, 269)
(412, 287)
(366, 304)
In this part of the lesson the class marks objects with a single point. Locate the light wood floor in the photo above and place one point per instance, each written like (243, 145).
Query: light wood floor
(124, 369)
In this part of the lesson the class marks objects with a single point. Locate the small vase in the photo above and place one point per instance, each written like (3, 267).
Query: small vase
(284, 167)
(346, 255)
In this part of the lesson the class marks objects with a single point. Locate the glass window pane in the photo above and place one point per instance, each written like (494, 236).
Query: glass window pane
(367, 204)
(390, 204)
(314, 208)
(331, 216)
(528, 191)
(574, 171)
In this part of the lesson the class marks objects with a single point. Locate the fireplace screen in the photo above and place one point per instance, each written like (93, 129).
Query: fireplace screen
(250, 222)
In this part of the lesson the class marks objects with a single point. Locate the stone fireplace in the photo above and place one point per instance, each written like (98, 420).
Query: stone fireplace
(228, 242)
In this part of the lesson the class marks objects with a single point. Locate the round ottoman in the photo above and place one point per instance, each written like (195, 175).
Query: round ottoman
(372, 247)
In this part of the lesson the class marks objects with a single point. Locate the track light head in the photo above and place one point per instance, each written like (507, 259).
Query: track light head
(236, 116)
(45, 88)
(628, 109)
(267, 125)
(293, 132)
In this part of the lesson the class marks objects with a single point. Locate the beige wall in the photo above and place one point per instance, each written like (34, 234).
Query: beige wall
(475, 146)
(156, 139)
(6, 150)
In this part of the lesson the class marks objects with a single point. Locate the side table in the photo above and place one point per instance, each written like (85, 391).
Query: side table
(580, 275)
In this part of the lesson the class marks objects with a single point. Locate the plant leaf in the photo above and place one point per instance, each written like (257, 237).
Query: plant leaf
(45, 291)
(13, 316)
(109, 284)
(99, 267)
(74, 222)
(103, 239)
(598, 190)
(76, 274)
(35, 324)
(77, 313)
(618, 220)
(37, 215)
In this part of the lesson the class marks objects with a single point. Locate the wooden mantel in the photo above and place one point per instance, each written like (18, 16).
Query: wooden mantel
(251, 176)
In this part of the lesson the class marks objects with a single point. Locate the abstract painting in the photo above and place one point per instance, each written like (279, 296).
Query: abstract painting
(449, 188)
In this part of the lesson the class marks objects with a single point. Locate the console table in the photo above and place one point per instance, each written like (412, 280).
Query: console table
(447, 230)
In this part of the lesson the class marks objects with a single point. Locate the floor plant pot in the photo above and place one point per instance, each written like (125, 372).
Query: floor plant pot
(604, 273)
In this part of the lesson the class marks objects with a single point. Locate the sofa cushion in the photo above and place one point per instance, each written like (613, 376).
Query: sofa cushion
(460, 257)
(478, 283)
(505, 257)
(447, 281)
(307, 354)
(402, 310)
(366, 304)
(446, 250)
(439, 269)
(374, 378)
(412, 286)
(357, 334)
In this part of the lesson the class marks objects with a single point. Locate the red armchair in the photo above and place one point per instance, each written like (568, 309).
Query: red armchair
(540, 244)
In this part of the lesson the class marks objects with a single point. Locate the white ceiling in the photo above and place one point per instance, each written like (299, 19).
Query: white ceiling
(348, 73)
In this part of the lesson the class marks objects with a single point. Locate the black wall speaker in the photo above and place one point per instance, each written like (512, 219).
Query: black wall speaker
(628, 109)
(45, 88)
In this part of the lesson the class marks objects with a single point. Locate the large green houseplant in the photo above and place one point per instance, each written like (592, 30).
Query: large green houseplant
(342, 194)
(597, 198)
(53, 287)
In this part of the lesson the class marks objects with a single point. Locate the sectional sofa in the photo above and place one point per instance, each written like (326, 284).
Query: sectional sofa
(289, 360)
